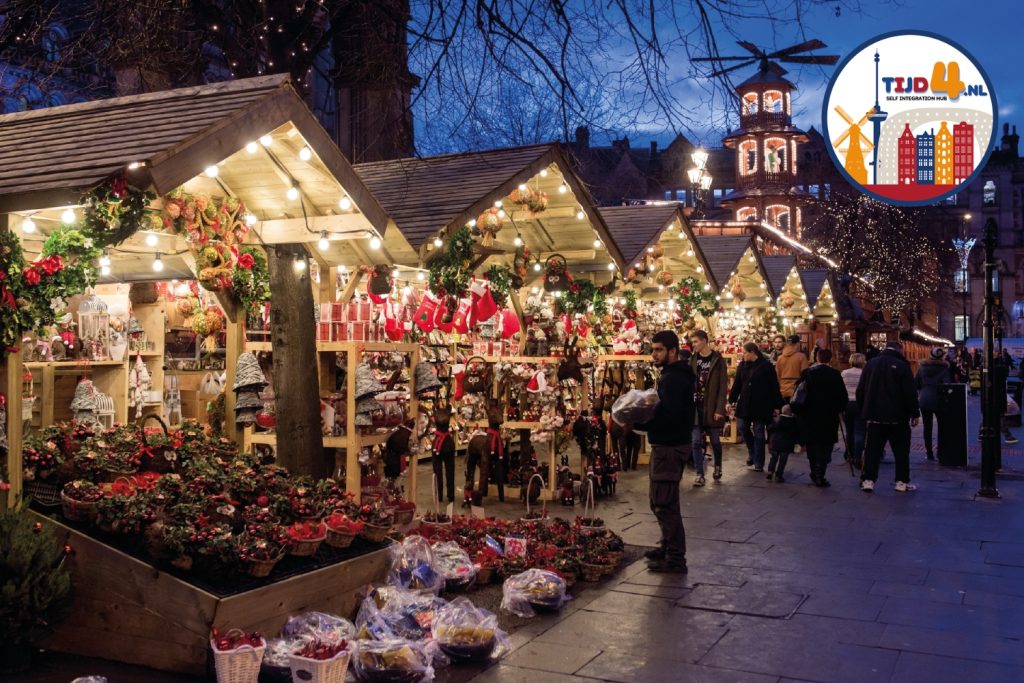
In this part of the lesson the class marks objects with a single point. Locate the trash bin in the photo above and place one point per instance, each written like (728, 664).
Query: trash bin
(952, 418)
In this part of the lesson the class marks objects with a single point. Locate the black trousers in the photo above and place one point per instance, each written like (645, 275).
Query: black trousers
(631, 451)
(444, 461)
(819, 454)
(664, 498)
(927, 416)
(898, 436)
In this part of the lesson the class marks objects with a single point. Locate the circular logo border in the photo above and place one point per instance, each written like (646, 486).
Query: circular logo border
(837, 162)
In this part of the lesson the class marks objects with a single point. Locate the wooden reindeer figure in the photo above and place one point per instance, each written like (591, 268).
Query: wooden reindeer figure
(442, 453)
(489, 452)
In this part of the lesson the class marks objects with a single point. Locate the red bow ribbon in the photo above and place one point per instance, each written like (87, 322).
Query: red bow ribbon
(439, 438)
(497, 446)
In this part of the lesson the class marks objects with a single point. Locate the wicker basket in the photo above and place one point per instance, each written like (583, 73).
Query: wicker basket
(76, 510)
(320, 670)
(261, 568)
(374, 533)
(592, 572)
(403, 517)
(570, 579)
(485, 575)
(241, 665)
(158, 459)
(305, 547)
(339, 539)
(143, 293)
(371, 494)
(43, 492)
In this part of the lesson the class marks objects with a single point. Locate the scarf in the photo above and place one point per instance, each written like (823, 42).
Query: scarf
(439, 438)
(497, 445)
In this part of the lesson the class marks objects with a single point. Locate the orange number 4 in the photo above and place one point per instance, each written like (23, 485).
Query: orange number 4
(946, 78)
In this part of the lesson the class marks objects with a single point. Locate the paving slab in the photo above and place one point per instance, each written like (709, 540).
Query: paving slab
(561, 658)
(744, 600)
(914, 666)
(1002, 621)
(641, 668)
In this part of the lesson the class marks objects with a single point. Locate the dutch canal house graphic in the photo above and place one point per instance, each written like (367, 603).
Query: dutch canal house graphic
(898, 163)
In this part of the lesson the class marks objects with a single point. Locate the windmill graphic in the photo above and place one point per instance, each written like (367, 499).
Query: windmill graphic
(857, 145)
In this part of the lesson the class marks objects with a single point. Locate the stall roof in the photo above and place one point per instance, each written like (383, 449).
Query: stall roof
(723, 253)
(777, 269)
(813, 281)
(634, 228)
(427, 195)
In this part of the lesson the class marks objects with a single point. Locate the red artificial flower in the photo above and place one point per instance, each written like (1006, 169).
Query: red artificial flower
(31, 276)
(118, 187)
(51, 264)
(246, 261)
(7, 300)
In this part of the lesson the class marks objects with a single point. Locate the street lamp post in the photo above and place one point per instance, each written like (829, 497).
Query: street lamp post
(700, 181)
(963, 245)
(990, 427)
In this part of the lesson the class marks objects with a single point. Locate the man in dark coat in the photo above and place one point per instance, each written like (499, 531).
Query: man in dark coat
(712, 378)
(887, 399)
(824, 404)
(756, 397)
(932, 373)
(669, 433)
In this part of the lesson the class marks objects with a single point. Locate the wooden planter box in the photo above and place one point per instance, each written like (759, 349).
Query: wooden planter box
(125, 610)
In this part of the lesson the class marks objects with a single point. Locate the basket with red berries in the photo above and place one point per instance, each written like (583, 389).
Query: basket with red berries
(237, 655)
(341, 530)
(306, 537)
(321, 661)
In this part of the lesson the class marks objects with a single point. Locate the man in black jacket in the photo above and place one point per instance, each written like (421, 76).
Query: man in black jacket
(756, 398)
(819, 415)
(887, 399)
(669, 435)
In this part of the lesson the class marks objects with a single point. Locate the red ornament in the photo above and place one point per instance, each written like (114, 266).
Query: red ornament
(37, 527)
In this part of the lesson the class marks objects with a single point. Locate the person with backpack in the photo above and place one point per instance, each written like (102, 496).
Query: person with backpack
(820, 400)
(755, 398)
(791, 363)
(888, 403)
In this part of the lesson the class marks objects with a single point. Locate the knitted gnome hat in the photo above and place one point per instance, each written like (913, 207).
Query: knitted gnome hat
(247, 399)
(425, 378)
(365, 406)
(366, 383)
(85, 396)
(248, 374)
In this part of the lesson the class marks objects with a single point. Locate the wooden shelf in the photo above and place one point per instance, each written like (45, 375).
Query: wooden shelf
(505, 425)
(372, 347)
(257, 346)
(270, 438)
(626, 357)
(539, 360)
(74, 364)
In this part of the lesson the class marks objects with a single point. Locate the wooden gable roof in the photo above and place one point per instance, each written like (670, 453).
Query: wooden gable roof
(634, 228)
(814, 281)
(723, 254)
(777, 270)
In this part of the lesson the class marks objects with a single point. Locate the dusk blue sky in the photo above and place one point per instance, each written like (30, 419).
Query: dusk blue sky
(991, 30)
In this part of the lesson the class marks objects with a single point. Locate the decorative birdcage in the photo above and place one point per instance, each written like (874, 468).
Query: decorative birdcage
(94, 327)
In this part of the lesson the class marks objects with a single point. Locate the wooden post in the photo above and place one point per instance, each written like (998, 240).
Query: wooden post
(234, 346)
(47, 394)
(14, 437)
(414, 405)
(353, 480)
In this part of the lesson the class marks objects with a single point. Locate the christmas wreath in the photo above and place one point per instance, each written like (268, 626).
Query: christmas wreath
(503, 281)
(691, 298)
(250, 279)
(449, 269)
(114, 210)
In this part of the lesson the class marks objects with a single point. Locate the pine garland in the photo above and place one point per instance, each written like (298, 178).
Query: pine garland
(115, 210)
(449, 269)
(691, 298)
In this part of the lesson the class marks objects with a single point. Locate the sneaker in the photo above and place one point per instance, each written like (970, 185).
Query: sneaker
(655, 554)
(759, 469)
(718, 473)
(904, 487)
(1010, 438)
(667, 567)
(699, 481)
(778, 479)
(770, 475)
(750, 463)
(867, 486)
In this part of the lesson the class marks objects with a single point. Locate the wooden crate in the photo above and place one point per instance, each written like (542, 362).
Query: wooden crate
(125, 610)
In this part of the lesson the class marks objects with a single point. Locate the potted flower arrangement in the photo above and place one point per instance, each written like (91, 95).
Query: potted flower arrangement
(376, 521)
(305, 537)
(487, 562)
(260, 547)
(436, 519)
(303, 503)
(79, 499)
(341, 529)
(589, 525)
(212, 548)
(568, 566)
(127, 515)
(41, 458)
(405, 510)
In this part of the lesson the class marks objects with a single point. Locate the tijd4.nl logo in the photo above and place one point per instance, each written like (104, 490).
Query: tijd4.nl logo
(910, 117)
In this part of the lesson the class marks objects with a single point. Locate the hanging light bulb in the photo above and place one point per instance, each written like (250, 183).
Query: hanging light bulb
(700, 268)
(323, 243)
(300, 264)
(345, 203)
(580, 215)
(28, 225)
(651, 267)
(374, 242)
(563, 188)
(597, 243)
(543, 173)
(105, 258)
(250, 219)
(501, 213)
(211, 171)
(661, 288)
(104, 270)
(522, 187)
(151, 240)
(305, 154)
(158, 263)
(266, 140)
(407, 290)
(251, 148)
(689, 252)
(497, 204)
(68, 216)
(394, 272)
(534, 290)
(536, 267)
(557, 293)
(342, 268)
(611, 266)
(518, 241)
(707, 287)
(293, 193)
(438, 243)
(420, 276)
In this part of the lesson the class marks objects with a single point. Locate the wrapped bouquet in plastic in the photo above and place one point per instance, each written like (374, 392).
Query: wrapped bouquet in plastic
(454, 565)
(404, 614)
(467, 633)
(392, 661)
(412, 566)
(319, 625)
(535, 590)
(635, 406)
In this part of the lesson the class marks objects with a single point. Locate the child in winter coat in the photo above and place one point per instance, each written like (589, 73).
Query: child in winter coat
(783, 433)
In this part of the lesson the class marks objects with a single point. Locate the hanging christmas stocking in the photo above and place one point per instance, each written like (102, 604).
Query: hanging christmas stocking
(509, 323)
(375, 298)
(425, 313)
(440, 315)
(483, 303)
(459, 378)
(462, 320)
(538, 383)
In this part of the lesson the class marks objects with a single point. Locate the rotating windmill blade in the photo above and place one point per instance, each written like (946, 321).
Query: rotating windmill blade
(770, 61)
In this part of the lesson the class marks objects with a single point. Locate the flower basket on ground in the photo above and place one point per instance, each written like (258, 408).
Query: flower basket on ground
(436, 520)
(79, 500)
(237, 656)
(341, 531)
(321, 662)
(405, 510)
(305, 538)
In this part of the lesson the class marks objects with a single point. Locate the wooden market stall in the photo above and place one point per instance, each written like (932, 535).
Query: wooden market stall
(251, 141)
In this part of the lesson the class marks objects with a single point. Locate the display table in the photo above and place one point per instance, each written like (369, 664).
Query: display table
(127, 610)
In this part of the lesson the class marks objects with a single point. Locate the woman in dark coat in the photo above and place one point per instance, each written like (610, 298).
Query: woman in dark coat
(932, 373)
(824, 404)
(755, 395)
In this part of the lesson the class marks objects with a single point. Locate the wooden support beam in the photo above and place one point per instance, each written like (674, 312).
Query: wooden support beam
(350, 288)
(13, 370)
(293, 230)
(235, 345)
